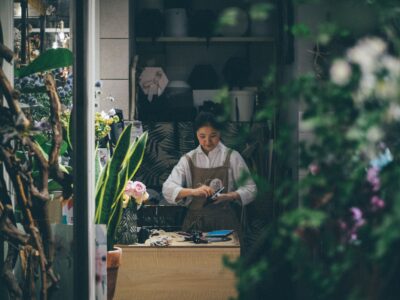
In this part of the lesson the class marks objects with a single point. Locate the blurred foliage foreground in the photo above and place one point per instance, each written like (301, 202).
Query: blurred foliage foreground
(338, 236)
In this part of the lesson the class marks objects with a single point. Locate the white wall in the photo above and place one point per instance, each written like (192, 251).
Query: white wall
(114, 54)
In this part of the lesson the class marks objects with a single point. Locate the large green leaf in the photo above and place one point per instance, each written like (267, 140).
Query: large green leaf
(122, 166)
(46, 143)
(106, 194)
(132, 163)
(122, 180)
(136, 155)
(97, 165)
(54, 186)
(48, 60)
(115, 218)
(68, 130)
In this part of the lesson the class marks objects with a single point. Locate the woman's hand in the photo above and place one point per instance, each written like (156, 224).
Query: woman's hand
(202, 191)
(232, 196)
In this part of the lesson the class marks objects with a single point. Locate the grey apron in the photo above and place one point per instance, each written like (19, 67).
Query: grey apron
(212, 216)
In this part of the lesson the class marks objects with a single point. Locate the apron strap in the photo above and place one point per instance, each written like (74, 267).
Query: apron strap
(190, 161)
(227, 162)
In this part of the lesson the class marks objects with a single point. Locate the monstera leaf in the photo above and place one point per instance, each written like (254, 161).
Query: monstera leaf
(48, 60)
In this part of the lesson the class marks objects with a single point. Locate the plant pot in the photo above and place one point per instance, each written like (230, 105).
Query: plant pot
(113, 263)
(127, 231)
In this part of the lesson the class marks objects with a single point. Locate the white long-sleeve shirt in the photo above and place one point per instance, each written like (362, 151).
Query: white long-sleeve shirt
(181, 177)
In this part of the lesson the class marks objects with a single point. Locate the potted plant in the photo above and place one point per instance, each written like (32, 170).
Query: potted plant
(127, 231)
(110, 190)
(19, 153)
(335, 234)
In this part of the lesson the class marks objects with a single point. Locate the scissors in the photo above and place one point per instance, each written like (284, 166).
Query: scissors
(214, 196)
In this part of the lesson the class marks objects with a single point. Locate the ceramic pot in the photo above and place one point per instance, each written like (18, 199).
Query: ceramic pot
(176, 22)
(242, 105)
(238, 25)
(113, 263)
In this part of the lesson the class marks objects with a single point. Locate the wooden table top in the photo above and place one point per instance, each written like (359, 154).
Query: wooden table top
(178, 241)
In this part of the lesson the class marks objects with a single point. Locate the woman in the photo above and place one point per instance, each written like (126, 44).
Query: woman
(204, 170)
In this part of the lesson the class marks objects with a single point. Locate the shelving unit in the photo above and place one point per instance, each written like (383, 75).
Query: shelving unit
(179, 55)
(37, 23)
(190, 39)
(50, 30)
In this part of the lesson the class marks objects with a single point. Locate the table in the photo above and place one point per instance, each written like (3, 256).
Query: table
(183, 270)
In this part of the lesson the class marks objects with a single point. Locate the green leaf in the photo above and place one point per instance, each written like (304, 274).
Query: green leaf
(54, 186)
(137, 154)
(46, 156)
(110, 187)
(122, 180)
(97, 165)
(300, 30)
(115, 218)
(260, 11)
(106, 194)
(132, 162)
(45, 143)
(48, 60)
(68, 131)
(63, 169)
(35, 90)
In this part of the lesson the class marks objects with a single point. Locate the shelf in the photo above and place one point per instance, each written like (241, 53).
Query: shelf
(51, 30)
(189, 39)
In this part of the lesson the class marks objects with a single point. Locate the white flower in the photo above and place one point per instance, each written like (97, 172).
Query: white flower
(393, 112)
(374, 134)
(112, 112)
(392, 65)
(387, 88)
(354, 133)
(366, 52)
(104, 115)
(367, 84)
(340, 72)
(369, 54)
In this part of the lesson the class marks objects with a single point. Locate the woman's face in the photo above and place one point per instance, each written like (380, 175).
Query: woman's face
(208, 137)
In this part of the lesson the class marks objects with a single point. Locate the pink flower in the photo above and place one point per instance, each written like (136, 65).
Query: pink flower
(313, 168)
(356, 213)
(137, 190)
(377, 203)
(342, 225)
(357, 217)
(353, 237)
(373, 178)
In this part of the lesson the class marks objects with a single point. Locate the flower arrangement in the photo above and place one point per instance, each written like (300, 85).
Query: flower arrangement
(33, 92)
(137, 191)
(134, 196)
(114, 180)
(103, 122)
